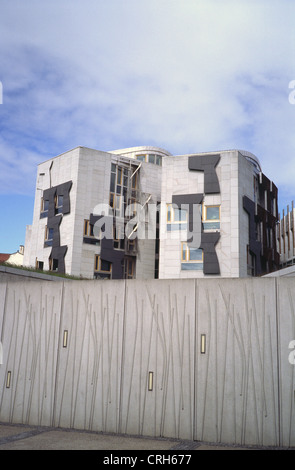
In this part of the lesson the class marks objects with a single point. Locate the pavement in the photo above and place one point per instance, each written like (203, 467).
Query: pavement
(22, 437)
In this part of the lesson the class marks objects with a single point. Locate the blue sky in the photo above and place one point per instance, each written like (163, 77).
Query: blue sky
(185, 75)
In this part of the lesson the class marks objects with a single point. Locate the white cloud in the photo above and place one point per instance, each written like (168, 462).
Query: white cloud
(191, 75)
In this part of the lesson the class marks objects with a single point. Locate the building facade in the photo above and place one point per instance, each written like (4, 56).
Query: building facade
(286, 237)
(143, 213)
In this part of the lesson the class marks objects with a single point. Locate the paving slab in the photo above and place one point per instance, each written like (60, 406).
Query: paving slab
(21, 437)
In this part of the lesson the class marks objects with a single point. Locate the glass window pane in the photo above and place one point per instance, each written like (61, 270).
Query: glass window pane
(183, 253)
(113, 168)
(168, 212)
(195, 254)
(119, 180)
(141, 158)
(134, 181)
(152, 158)
(212, 213)
(86, 222)
(158, 160)
(179, 215)
(130, 267)
(113, 182)
(105, 265)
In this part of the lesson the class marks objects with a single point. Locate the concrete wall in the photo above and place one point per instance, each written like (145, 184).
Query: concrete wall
(118, 334)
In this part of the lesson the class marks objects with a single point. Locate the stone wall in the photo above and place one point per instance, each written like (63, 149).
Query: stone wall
(192, 359)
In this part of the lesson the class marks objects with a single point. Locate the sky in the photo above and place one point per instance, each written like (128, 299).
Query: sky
(185, 75)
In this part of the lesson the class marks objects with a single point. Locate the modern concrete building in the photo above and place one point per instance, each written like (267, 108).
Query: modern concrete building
(143, 213)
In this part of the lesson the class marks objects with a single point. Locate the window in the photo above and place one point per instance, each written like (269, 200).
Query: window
(211, 217)
(191, 258)
(119, 239)
(141, 158)
(250, 262)
(59, 200)
(39, 264)
(118, 190)
(150, 158)
(88, 235)
(53, 264)
(129, 268)
(48, 236)
(44, 208)
(102, 268)
(134, 181)
(176, 218)
(158, 160)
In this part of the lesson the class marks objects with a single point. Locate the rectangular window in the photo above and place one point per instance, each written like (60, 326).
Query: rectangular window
(48, 240)
(59, 200)
(102, 268)
(88, 235)
(141, 158)
(176, 218)
(211, 217)
(44, 208)
(86, 227)
(39, 265)
(53, 264)
(118, 189)
(119, 239)
(152, 158)
(113, 182)
(191, 258)
(134, 181)
(125, 178)
(250, 262)
(158, 160)
(112, 200)
(129, 268)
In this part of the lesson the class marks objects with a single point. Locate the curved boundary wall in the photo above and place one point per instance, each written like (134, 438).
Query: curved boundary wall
(209, 360)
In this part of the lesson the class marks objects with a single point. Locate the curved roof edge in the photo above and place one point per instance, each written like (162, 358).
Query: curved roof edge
(142, 148)
(252, 158)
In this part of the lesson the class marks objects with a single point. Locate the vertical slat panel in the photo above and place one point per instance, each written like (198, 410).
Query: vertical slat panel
(159, 338)
(236, 392)
(29, 331)
(89, 368)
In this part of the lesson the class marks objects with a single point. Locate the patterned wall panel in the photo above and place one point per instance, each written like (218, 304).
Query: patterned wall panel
(236, 376)
(29, 322)
(89, 361)
(192, 359)
(286, 348)
(158, 340)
